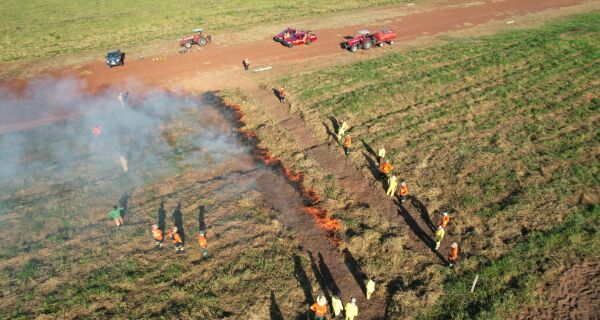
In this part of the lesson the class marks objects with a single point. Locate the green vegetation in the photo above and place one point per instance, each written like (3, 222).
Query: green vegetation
(502, 129)
(507, 282)
(39, 28)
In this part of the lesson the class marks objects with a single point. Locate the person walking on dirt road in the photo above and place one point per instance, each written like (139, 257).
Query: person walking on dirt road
(347, 144)
(246, 64)
(380, 155)
(392, 186)
(453, 255)
(351, 309)
(115, 214)
(203, 242)
(370, 287)
(445, 219)
(158, 237)
(439, 236)
(336, 304)
(403, 191)
(319, 308)
(174, 235)
(342, 130)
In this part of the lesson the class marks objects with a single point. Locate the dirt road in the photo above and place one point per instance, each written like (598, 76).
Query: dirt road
(215, 66)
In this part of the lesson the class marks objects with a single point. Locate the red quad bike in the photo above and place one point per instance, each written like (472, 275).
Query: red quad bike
(197, 37)
(365, 40)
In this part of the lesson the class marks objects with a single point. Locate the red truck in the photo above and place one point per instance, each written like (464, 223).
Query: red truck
(365, 39)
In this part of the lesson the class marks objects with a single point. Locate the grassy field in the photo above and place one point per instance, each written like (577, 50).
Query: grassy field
(37, 28)
(502, 130)
(62, 257)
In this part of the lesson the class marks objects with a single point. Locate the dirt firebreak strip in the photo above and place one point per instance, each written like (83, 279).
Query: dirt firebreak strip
(321, 216)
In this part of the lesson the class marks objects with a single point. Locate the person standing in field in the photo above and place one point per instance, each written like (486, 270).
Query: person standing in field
(380, 155)
(351, 309)
(445, 219)
(203, 242)
(347, 144)
(392, 186)
(385, 168)
(403, 191)
(370, 287)
(174, 235)
(282, 94)
(342, 130)
(439, 236)
(115, 214)
(453, 255)
(159, 239)
(246, 64)
(319, 308)
(337, 305)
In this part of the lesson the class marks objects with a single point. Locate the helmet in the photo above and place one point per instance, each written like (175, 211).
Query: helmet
(353, 300)
(174, 229)
(445, 213)
(154, 226)
(403, 183)
(393, 176)
(321, 301)
(201, 232)
(454, 245)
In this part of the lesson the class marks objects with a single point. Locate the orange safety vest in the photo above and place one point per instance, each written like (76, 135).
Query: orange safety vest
(175, 236)
(444, 221)
(347, 142)
(404, 191)
(386, 167)
(158, 234)
(202, 241)
(453, 254)
(318, 309)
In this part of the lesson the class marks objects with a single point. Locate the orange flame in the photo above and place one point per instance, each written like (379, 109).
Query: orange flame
(321, 216)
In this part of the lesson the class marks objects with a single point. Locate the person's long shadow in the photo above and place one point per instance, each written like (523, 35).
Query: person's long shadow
(329, 132)
(414, 226)
(274, 310)
(178, 221)
(369, 148)
(162, 216)
(331, 284)
(335, 123)
(423, 212)
(355, 270)
(302, 278)
(201, 213)
(320, 278)
(392, 287)
(372, 166)
(123, 201)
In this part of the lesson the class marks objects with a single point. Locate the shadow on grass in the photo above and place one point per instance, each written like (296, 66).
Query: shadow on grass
(320, 279)
(303, 280)
(274, 310)
(178, 221)
(355, 270)
(369, 149)
(372, 165)
(391, 289)
(423, 212)
(162, 216)
(416, 229)
(201, 223)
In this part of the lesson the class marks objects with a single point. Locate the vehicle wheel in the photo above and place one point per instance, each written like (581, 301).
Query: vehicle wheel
(367, 45)
(202, 42)
(308, 41)
(380, 44)
(290, 44)
(391, 43)
(276, 39)
(188, 45)
(353, 48)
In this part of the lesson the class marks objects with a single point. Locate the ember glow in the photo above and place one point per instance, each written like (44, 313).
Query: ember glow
(321, 216)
